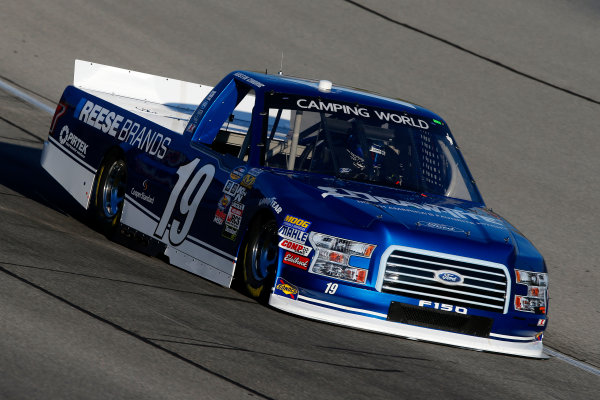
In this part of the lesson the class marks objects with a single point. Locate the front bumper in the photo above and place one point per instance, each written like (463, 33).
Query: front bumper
(359, 318)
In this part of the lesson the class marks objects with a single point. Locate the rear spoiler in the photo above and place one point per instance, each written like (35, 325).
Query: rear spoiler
(172, 93)
(138, 85)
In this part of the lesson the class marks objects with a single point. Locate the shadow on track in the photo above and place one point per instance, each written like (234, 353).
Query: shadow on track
(21, 172)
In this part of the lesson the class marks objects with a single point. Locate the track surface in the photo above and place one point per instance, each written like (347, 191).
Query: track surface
(83, 317)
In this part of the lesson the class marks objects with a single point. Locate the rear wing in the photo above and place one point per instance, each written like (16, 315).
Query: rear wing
(138, 85)
(165, 101)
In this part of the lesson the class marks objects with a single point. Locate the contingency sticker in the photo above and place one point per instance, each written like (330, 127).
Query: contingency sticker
(284, 288)
(296, 223)
(296, 260)
(295, 247)
(237, 173)
(292, 234)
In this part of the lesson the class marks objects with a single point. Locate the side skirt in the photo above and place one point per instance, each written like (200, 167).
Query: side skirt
(192, 255)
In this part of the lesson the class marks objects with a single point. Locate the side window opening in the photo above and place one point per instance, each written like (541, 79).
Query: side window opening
(284, 124)
(226, 125)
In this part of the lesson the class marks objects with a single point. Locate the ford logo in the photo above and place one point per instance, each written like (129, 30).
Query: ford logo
(448, 277)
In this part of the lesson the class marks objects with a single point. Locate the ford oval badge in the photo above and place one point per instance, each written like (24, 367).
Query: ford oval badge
(448, 277)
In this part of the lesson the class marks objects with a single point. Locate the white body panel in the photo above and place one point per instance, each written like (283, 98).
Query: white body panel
(138, 85)
(165, 101)
(71, 172)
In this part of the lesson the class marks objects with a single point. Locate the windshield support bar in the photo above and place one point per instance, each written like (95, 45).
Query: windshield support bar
(295, 137)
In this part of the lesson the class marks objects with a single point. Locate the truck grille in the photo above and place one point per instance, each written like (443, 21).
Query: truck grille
(411, 273)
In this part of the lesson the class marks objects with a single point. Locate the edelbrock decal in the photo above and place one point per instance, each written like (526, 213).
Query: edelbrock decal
(296, 260)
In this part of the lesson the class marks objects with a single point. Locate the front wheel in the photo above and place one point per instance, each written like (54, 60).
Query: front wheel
(109, 193)
(259, 259)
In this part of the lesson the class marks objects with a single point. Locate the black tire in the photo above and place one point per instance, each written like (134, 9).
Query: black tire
(259, 258)
(109, 194)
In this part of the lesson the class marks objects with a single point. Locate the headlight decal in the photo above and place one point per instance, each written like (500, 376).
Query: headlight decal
(537, 291)
(333, 257)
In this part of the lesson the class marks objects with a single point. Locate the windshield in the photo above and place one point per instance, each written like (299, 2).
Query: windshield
(365, 144)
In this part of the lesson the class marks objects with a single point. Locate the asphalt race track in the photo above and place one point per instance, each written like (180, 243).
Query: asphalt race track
(84, 317)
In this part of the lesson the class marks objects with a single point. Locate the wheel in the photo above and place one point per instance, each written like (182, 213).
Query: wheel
(259, 259)
(109, 193)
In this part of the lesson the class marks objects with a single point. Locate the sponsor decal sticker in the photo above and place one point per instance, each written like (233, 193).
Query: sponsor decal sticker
(224, 202)
(199, 111)
(255, 171)
(234, 189)
(125, 130)
(400, 205)
(192, 127)
(237, 173)
(219, 217)
(296, 260)
(230, 187)
(295, 247)
(292, 234)
(70, 140)
(142, 196)
(229, 232)
(282, 287)
(297, 223)
(248, 181)
(248, 79)
(385, 116)
(234, 216)
(442, 227)
(240, 193)
(271, 202)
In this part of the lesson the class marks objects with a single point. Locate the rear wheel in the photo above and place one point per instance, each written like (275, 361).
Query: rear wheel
(259, 259)
(109, 193)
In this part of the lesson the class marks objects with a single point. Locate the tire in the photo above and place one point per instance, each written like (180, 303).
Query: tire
(259, 258)
(109, 194)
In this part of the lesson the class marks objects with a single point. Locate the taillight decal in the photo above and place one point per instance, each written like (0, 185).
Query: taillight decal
(61, 109)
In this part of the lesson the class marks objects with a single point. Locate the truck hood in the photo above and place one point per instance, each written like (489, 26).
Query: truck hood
(361, 205)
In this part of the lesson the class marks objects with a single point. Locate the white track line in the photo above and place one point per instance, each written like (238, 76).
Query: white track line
(24, 96)
(576, 363)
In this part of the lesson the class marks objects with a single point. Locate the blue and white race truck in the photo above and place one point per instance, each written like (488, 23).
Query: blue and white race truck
(324, 201)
